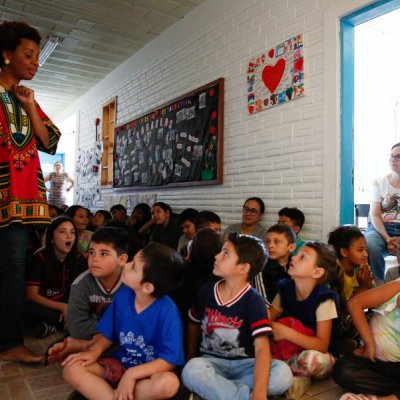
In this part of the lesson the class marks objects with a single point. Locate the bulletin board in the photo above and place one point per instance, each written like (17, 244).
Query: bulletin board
(178, 144)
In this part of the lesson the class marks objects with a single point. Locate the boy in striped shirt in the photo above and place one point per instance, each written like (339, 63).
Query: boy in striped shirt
(230, 321)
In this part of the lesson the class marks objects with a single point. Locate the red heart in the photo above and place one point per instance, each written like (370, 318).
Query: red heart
(271, 53)
(272, 75)
(298, 65)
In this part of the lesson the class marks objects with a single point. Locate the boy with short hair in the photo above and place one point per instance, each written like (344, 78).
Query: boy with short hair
(146, 324)
(294, 218)
(186, 223)
(280, 244)
(207, 219)
(232, 320)
(93, 290)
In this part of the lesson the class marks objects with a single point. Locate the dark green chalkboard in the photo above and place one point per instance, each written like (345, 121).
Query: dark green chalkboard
(178, 144)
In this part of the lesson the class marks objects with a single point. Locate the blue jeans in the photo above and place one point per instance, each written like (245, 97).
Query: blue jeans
(214, 378)
(13, 248)
(377, 247)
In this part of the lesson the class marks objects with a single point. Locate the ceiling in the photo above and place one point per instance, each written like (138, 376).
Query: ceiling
(97, 36)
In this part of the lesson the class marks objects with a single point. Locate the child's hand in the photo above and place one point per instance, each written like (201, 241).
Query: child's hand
(365, 276)
(280, 331)
(125, 387)
(367, 351)
(85, 358)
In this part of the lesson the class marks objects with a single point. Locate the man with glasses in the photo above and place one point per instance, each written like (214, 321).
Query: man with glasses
(253, 211)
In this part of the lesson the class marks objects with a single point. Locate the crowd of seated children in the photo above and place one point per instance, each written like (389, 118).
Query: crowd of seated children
(294, 218)
(80, 216)
(186, 223)
(231, 326)
(93, 291)
(373, 372)
(49, 275)
(146, 325)
(280, 243)
(252, 213)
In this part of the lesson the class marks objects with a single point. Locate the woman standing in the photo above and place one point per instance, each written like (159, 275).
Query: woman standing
(24, 128)
(59, 186)
(383, 234)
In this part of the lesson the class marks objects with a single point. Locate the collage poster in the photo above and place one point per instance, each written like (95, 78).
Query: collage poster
(277, 76)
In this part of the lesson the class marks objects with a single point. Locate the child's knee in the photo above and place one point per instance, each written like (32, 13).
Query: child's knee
(166, 384)
(194, 369)
(71, 372)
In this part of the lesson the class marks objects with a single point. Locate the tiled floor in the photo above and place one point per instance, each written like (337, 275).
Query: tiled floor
(22, 382)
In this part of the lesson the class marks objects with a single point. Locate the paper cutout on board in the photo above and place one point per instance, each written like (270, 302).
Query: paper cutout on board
(276, 76)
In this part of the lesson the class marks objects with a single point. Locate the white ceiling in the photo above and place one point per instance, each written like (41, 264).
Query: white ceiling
(98, 35)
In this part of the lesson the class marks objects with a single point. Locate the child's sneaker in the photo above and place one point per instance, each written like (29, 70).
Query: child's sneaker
(42, 330)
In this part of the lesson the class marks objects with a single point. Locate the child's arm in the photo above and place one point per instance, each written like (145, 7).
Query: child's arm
(319, 342)
(368, 299)
(32, 293)
(89, 357)
(128, 381)
(192, 342)
(273, 313)
(261, 368)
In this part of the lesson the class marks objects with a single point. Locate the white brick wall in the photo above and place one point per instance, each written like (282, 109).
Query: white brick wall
(277, 154)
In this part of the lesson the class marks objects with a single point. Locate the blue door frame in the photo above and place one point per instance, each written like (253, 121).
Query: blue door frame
(347, 25)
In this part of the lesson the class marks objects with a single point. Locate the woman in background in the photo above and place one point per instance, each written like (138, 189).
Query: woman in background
(59, 186)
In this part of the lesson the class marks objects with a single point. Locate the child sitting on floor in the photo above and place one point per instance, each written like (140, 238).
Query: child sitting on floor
(351, 251)
(49, 275)
(146, 324)
(93, 291)
(232, 319)
(293, 218)
(374, 369)
(309, 312)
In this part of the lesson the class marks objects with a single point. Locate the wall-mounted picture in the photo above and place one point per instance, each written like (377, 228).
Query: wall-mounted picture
(177, 144)
(277, 76)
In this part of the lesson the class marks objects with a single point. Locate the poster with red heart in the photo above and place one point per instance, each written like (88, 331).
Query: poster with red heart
(277, 76)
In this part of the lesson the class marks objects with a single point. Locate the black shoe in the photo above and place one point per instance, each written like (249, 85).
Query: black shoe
(76, 396)
(41, 330)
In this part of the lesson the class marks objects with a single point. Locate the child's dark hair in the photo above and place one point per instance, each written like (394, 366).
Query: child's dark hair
(117, 238)
(166, 207)
(163, 268)
(259, 201)
(71, 211)
(146, 212)
(294, 214)
(106, 214)
(11, 33)
(50, 254)
(206, 245)
(249, 249)
(203, 218)
(118, 207)
(342, 236)
(188, 214)
(285, 230)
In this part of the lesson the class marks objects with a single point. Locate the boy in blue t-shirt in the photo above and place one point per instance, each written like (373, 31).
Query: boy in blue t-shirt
(147, 326)
(231, 318)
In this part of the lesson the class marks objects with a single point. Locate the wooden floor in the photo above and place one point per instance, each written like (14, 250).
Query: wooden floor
(22, 382)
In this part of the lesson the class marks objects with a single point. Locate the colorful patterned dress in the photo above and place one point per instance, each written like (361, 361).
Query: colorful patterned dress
(22, 190)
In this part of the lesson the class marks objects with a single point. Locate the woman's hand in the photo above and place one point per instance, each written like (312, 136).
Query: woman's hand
(25, 96)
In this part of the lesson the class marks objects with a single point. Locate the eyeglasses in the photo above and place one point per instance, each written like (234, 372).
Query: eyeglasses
(251, 211)
(395, 157)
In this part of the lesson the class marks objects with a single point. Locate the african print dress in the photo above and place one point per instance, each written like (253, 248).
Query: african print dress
(22, 190)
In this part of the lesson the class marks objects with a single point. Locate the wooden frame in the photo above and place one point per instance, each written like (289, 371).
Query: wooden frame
(177, 144)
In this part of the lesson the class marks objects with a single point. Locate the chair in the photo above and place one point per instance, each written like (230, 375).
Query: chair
(361, 211)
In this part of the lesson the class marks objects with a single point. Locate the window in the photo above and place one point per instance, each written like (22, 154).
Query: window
(107, 137)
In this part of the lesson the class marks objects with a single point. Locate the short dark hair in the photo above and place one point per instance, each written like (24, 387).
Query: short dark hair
(249, 249)
(206, 245)
(285, 230)
(106, 214)
(118, 207)
(117, 238)
(163, 267)
(11, 33)
(395, 145)
(70, 211)
(259, 201)
(294, 214)
(166, 207)
(188, 214)
(342, 236)
(203, 218)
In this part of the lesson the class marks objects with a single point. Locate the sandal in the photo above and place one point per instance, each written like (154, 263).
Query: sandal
(56, 357)
(353, 396)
